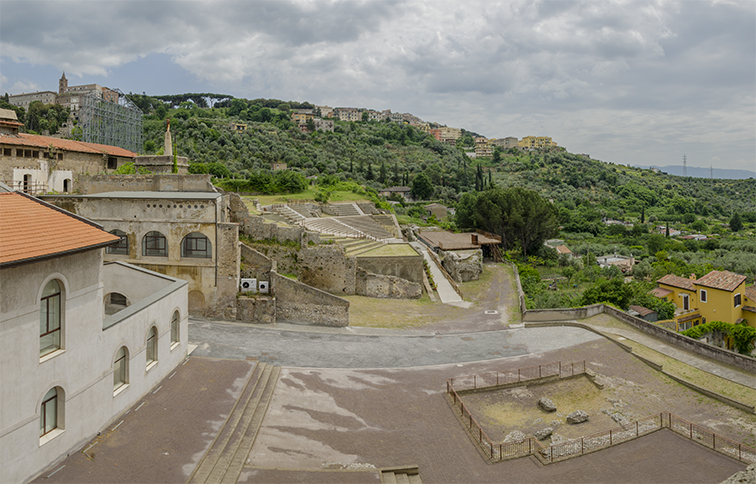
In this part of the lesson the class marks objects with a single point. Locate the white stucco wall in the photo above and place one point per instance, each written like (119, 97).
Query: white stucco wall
(83, 367)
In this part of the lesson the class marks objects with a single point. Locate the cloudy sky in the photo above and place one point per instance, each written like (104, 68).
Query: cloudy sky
(626, 81)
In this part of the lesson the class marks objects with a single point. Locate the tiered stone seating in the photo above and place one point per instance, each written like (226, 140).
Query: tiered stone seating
(346, 209)
(332, 226)
(288, 213)
(367, 225)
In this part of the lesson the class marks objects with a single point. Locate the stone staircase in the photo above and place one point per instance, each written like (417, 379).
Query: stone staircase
(224, 460)
(360, 246)
(400, 475)
(288, 213)
(346, 209)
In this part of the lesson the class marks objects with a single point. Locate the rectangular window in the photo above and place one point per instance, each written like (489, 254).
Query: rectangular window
(686, 302)
(60, 156)
(736, 300)
(49, 322)
(683, 326)
(49, 414)
(704, 296)
(35, 154)
(7, 152)
(112, 162)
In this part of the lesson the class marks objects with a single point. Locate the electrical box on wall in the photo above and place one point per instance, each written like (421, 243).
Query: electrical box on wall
(248, 285)
(264, 287)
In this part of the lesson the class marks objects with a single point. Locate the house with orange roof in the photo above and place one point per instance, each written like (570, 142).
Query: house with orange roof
(39, 164)
(717, 296)
(83, 340)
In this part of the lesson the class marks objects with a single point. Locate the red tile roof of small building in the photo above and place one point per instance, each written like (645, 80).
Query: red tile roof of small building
(43, 142)
(677, 281)
(641, 310)
(32, 229)
(660, 292)
(562, 249)
(724, 280)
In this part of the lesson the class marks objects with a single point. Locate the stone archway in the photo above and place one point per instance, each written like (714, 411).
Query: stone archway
(196, 303)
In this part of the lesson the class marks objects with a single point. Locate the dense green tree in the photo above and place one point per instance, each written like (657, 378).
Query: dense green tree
(421, 188)
(736, 225)
(613, 291)
(520, 216)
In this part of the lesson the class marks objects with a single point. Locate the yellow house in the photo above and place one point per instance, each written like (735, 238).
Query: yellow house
(717, 296)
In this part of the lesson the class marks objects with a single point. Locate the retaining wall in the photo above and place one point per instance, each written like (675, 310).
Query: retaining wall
(409, 267)
(698, 347)
(382, 286)
(300, 303)
(90, 184)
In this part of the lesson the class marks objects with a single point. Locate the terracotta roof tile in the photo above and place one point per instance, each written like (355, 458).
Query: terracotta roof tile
(37, 141)
(677, 281)
(750, 293)
(660, 292)
(30, 229)
(724, 280)
(641, 310)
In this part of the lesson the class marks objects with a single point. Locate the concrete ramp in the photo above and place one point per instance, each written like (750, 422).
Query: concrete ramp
(445, 291)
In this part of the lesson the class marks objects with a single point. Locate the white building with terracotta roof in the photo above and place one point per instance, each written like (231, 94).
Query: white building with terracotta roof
(38, 164)
(82, 340)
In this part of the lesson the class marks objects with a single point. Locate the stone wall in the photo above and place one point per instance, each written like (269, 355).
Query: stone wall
(328, 268)
(300, 303)
(380, 286)
(406, 267)
(463, 265)
(256, 228)
(260, 309)
(285, 257)
(228, 261)
(255, 265)
(699, 347)
(89, 184)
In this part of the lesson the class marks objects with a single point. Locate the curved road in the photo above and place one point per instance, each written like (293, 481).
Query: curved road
(307, 347)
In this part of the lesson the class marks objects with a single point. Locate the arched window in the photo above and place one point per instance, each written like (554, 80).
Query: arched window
(115, 302)
(50, 316)
(196, 245)
(121, 368)
(155, 244)
(151, 350)
(122, 247)
(175, 321)
(48, 412)
(66, 185)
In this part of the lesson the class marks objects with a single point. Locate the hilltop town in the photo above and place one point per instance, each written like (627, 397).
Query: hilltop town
(473, 306)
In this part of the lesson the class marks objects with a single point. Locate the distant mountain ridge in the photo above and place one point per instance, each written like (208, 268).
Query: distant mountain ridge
(697, 172)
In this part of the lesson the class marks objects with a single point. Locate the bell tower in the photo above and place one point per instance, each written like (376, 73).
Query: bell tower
(62, 84)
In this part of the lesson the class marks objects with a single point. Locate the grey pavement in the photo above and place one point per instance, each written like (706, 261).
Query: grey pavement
(308, 347)
(445, 291)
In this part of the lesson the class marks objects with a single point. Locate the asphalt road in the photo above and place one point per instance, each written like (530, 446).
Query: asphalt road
(306, 347)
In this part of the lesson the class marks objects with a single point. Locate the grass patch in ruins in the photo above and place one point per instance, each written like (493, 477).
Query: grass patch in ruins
(306, 196)
(397, 313)
(500, 412)
(391, 250)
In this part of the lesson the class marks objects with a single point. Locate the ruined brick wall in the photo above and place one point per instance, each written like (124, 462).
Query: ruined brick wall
(328, 268)
(255, 226)
(300, 303)
(406, 267)
(255, 265)
(258, 309)
(380, 286)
